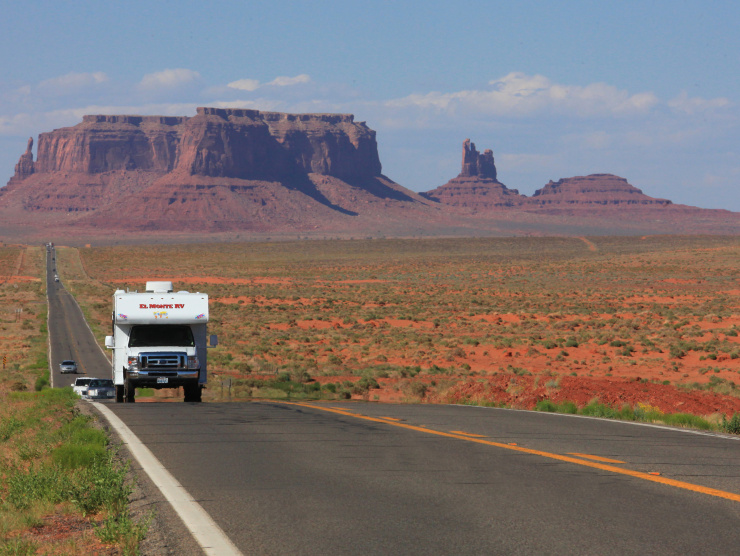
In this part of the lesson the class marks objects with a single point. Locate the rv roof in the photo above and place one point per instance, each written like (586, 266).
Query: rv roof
(159, 287)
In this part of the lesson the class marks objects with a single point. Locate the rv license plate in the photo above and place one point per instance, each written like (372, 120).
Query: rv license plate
(161, 380)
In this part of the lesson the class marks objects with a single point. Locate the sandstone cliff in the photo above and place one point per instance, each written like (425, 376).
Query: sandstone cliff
(477, 188)
(245, 144)
(233, 170)
(592, 191)
(220, 169)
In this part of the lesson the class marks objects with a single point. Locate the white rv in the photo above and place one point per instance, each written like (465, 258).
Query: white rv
(159, 341)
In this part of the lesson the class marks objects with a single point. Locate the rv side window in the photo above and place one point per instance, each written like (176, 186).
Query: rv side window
(152, 335)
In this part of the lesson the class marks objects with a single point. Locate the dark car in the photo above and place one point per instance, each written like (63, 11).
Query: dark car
(100, 388)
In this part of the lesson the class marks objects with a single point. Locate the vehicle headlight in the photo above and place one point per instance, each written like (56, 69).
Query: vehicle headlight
(92, 392)
(133, 363)
(193, 362)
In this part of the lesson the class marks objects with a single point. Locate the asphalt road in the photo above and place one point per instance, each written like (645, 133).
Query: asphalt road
(69, 335)
(287, 479)
(366, 478)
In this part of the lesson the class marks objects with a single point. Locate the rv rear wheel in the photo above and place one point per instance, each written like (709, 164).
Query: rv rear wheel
(119, 394)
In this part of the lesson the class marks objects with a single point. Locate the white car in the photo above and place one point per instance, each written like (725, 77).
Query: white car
(81, 384)
(100, 388)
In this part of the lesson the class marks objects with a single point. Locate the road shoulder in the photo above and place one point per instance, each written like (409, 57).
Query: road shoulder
(167, 534)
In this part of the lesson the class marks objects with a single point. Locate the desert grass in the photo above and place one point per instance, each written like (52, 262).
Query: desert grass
(665, 308)
(62, 491)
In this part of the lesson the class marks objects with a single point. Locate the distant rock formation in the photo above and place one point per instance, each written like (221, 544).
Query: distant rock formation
(476, 186)
(25, 166)
(220, 169)
(232, 170)
(593, 190)
(476, 164)
(217, 142)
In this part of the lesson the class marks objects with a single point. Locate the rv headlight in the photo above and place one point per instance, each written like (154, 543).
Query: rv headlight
(193, 362)
(133, 363)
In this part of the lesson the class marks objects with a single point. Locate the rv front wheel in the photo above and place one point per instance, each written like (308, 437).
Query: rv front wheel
(129, 392)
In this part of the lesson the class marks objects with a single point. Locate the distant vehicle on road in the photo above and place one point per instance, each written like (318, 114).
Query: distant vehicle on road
(100, 388)
(56, 278)
(81, 384)
(68, 366)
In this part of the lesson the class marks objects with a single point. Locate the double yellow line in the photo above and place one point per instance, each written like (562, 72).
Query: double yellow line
(459, 435)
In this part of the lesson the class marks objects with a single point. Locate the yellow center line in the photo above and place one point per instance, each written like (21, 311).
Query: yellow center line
(559, 457)
(391, 419)
(469, 434)
(597, 458)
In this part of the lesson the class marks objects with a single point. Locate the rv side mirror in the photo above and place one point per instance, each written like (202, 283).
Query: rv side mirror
(214, 340)
(109, 342)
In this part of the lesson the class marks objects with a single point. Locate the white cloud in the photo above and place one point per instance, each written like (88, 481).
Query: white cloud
(281, 81)
(265, 105)
(518, 94)
(71, 82)
(245, 84)
(289, 81)
(168, 79)
(693, 105)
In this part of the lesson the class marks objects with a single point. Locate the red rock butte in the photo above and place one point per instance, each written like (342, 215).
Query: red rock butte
(227, 170)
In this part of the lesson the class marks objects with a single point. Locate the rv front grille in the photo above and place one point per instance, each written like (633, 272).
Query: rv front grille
(163, 361)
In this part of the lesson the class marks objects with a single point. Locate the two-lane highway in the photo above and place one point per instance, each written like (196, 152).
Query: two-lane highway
(365, 478)
(69, 335)
(354, 478)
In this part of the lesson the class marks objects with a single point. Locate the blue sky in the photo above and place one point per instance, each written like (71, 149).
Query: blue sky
(649, 91)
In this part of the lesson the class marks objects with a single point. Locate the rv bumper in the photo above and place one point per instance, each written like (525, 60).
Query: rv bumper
(159, 379)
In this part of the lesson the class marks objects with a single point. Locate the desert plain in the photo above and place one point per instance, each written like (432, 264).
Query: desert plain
(648, 322)
(642, 328)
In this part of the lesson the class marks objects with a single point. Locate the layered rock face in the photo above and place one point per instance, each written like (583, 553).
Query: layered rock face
(593, 191)
(476, 186)
(220, 169)
(244, 144)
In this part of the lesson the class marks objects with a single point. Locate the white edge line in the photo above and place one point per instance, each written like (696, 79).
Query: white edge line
(207, 533)
(726, 436)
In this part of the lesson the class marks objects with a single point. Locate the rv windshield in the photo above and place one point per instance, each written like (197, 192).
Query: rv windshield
(152, 335)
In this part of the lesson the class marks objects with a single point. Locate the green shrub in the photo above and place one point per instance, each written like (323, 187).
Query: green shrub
(545, 405)
(123, 530)
(41, 383)
(733, 425)
(567, 407)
